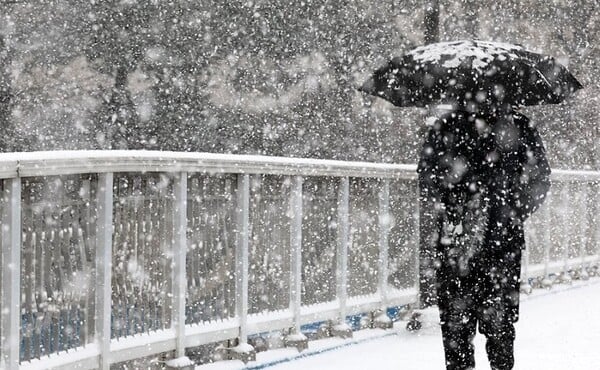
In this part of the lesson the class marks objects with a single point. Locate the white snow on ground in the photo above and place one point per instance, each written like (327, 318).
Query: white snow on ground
(559, 329)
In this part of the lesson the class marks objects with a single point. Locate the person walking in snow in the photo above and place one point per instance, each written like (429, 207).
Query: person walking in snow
(486, 172)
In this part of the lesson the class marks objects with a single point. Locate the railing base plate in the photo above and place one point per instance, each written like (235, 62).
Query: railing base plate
(181, 363)
(299, 341)
(243, 352)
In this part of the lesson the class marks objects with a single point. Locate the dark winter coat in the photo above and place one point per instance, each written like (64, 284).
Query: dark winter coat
(486, 175)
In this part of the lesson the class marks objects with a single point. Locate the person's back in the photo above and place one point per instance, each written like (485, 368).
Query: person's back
(486, 175)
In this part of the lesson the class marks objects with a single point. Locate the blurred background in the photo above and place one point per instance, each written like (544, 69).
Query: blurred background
(275, 77)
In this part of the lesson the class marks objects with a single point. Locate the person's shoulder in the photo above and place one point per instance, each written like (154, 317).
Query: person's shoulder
(455, 115)
(449, 120)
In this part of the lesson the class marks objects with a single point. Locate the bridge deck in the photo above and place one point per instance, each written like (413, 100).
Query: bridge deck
(559, 329)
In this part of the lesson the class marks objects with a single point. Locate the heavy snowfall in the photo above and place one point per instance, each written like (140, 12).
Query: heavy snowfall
(241, 184)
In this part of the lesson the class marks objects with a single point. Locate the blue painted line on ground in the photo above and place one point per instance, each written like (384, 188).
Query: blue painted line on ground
(317, 352)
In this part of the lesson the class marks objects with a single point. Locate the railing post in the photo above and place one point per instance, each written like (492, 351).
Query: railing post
(547, 240)
(566, 240)
(179, 258)
(417, 243)
(11, 274)
(244, 351)
(296, 245)
(597, 223)
(583, 212)
(297, 339)
(384, 226)
(104, 231)
(382, 320)
(343, 232)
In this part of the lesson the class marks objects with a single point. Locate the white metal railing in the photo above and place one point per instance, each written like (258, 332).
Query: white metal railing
(121, 255)
(109, 256)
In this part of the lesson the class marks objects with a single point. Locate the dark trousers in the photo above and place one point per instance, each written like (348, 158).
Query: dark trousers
(485, 293)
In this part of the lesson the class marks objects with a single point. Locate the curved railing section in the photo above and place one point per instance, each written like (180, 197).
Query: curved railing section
(109, 256)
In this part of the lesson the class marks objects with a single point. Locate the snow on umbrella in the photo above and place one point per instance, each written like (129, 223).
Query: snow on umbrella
(471, 72)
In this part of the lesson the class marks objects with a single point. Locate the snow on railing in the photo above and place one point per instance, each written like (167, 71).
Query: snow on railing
(108, 256)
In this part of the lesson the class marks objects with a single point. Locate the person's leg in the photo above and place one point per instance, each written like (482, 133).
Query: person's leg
(499, 309)
(458, 320)
(499, 348)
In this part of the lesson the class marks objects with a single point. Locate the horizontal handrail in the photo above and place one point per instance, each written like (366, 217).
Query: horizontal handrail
(99, 161)
(48, 163)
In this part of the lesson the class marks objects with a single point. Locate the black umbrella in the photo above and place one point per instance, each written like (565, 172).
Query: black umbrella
(471, 72)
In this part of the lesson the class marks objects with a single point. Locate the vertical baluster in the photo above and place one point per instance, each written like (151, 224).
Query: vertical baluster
(46, 245)
(343, 232)
(164, 267)
(385, 217)
(64, 220)
(596, 222)
(547, 239)
(416, 242)
(296, 246)
(144, 253)
(210, 205)
(27, 285)
(83, 305)
(103, 267)
(384, 225)
(583, 233)
(38, 271)
(566, 240)
(58, 279)
(297, 340)
(179, 246)
(89, 218)
(155, 199)
(79, 305)
(160, 264)
(39, 289)
(120, 223)
(226, 253)
(138, 282)
(244, 352)
(193, 270)
(11, 274)
(52, 289)
(243, 197)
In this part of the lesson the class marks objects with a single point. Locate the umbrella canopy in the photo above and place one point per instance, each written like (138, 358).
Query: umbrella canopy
(471, 72)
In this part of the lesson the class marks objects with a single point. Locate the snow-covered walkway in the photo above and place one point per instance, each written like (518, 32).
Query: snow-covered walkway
(559, 329)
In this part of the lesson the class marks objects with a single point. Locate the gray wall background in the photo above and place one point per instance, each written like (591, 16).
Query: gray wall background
(273, 77)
